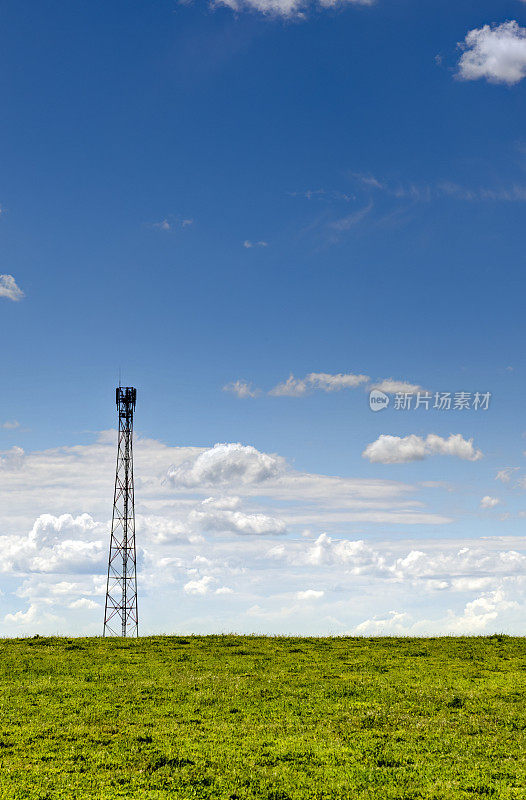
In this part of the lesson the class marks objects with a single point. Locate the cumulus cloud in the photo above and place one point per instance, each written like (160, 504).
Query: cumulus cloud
(62, 544)
(496, 53)
(478, 616)
(323, 381)
(200, 586)
(84, 602)
(164, 530)
(310, 594)
(219, 516)
(285, 8)
(9, 288)
(393, 624)
(226, 463)
(62, 558)
(249, 245)
(237, 522)
(398, 450)
(458, 568)
(242, 388)
(489, 502)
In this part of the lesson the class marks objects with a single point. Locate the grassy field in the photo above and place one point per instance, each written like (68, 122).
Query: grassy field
(252, 717)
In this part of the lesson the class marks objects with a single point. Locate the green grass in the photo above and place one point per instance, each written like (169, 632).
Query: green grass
(253, 717)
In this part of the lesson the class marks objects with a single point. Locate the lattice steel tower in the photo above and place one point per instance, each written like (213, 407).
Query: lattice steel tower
(120, 613)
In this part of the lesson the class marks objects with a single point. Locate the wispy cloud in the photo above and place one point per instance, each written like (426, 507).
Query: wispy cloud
(324, 381)
(286, 8)
(350, 220)
(425, 193)
(171, 223)
(9, 288)
(248, 244)
(11, 424)
(505, 475)
(324, 194)
(242, 389)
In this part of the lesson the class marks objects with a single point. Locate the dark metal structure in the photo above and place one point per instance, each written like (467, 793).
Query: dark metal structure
(121, 616)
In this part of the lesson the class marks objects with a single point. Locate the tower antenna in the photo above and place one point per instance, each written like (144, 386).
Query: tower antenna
(121, 616)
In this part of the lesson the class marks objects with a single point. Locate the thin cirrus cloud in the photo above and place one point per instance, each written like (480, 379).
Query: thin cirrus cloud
(286, 8)
(9, 288)
(426, 193)
(496, 53)
(403, 449)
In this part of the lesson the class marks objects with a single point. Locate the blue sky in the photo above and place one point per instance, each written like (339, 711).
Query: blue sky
(202, 194)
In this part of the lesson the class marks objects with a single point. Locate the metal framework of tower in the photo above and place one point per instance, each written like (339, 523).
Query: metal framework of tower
(121, 616)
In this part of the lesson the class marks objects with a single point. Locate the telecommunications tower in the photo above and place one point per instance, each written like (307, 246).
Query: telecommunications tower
(120, 613)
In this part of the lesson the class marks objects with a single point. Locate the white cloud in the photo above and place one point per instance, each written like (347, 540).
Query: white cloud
(478, 616)
(9, 288)
(170, 223)
(224, 590)
(84, 602)
(324, 381)
(224, 503)
(392, 386)
(398, 450)
(23, 617)
(504, 475)
(285, 8)
(395, 623)
(164, 530)
(226, 463)
(12, 459)
(310, 594)
(481, 612)
(61, 544)
(243, 389)
(163, 225)
(489, 502)
(249, 245)
(496, 53)
(200, 586)
(52, 559)
(11, 425)
(237, 522)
